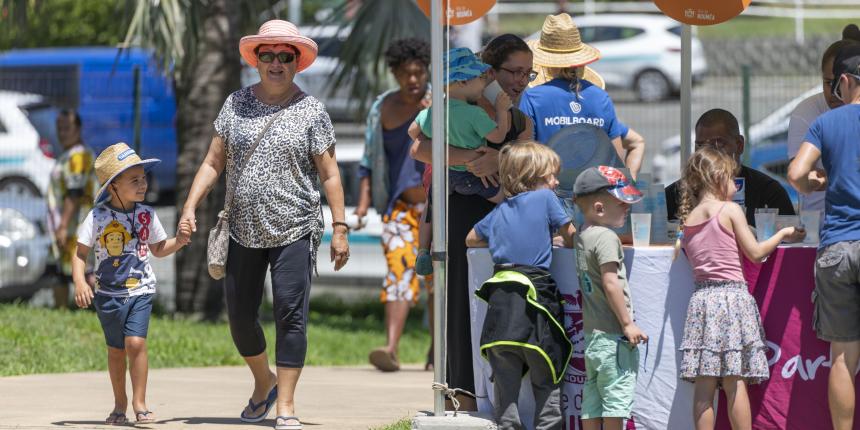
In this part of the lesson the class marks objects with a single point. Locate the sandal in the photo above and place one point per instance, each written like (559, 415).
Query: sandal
(281, 423)
(269, 401)
(384, 360)
(116, 419)
(144, 417)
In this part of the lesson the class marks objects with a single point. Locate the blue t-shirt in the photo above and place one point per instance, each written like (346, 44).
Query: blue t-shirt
(837, 135)
(553, 106)
(519, 230)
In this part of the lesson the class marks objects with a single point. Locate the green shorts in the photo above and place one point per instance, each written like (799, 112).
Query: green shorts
(611, 366)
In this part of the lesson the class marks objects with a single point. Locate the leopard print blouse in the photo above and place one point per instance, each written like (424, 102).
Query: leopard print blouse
(277, 200)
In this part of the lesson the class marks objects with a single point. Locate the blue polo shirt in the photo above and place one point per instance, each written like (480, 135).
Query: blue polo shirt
(519, 230)
(553, 106)
(837, 135)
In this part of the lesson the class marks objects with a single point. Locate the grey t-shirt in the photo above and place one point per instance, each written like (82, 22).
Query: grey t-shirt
(277, 200)
(596, 246)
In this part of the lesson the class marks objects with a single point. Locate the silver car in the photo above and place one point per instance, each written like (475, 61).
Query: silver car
(24, 245)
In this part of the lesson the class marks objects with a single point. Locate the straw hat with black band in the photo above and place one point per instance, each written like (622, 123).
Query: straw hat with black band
(560, 46)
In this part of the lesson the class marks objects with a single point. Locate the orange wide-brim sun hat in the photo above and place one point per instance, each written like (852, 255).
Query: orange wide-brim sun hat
(279, 32)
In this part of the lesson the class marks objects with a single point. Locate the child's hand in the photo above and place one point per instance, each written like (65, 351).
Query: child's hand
(503, 102)
(793, 234)
(184, 234)
(83, 295)
(634, 334)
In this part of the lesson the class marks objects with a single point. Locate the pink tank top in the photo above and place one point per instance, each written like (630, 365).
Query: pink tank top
(712, 251)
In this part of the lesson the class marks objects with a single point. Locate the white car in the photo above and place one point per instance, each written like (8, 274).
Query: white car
(316, 79)
(641, 52)
(367, 265)
(27, 144)
(24, 246)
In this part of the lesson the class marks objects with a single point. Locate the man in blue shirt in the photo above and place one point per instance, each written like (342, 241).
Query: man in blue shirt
(835, 139)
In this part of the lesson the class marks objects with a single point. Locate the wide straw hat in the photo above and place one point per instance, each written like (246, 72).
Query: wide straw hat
(114, 160)
(560, 44)
(590, 75)
(279, 32)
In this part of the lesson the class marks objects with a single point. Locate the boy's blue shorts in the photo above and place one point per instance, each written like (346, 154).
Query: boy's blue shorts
(122, 317)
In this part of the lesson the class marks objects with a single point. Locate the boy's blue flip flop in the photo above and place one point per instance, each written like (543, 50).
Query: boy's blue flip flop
(269, 402)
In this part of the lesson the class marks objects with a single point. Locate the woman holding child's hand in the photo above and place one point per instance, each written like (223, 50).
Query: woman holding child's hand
(274, 141)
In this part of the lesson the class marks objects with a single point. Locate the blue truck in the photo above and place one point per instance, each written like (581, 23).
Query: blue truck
(99, 83)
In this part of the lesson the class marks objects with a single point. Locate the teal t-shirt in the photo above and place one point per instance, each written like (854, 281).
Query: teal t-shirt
(467, 126)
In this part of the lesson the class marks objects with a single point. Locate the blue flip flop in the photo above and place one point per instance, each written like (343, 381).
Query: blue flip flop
(269, 402)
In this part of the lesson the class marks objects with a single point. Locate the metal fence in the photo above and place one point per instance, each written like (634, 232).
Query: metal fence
(779, 73)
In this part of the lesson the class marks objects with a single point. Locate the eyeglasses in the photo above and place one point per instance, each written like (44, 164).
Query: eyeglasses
(283, 57)
(520, 74)
(836, 91)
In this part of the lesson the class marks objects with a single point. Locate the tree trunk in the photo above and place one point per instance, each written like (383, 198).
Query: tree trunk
(212, 73)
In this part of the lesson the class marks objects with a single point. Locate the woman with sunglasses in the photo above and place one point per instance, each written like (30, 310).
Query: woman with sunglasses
(273, 139)
(511, 66)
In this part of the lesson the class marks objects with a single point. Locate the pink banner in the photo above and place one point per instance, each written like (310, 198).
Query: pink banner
(795, 397)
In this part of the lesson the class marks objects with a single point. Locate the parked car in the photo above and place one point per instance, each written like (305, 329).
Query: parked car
(767, 145)
(366, 263)
(316, 79)
(24, 245)
(99, 83)
(640, 52)
(28, 144)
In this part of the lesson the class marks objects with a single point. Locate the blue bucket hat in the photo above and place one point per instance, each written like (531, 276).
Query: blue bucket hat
(463, 65)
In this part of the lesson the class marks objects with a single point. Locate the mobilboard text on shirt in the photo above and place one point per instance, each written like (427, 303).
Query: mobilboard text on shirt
(553, 106)
(120, 241)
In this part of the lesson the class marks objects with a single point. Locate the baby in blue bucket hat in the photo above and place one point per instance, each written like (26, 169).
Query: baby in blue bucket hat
(469, 127)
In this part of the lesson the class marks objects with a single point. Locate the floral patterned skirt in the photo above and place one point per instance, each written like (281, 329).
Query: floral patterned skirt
(723, 335)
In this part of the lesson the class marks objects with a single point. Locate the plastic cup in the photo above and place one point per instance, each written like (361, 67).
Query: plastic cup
(810, 220)
(783, 221)
(765, 225)
(641, 225)
(672, 228)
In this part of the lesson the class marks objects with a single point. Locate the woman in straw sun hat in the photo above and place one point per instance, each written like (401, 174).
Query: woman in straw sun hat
(571, 95)
(273, 140)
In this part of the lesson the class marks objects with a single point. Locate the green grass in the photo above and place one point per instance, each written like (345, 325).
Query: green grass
(740, 27)
(404, 424)
(37, 340)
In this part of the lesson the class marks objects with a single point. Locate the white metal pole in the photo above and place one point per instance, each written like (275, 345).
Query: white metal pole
(799, 35)
(686, 92)
(295, 12)
(440, 203)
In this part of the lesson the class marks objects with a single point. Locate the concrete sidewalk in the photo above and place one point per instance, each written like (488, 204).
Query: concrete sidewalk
(342, 398)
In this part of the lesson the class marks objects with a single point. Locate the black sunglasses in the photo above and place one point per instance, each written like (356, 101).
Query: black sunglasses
(283, 57)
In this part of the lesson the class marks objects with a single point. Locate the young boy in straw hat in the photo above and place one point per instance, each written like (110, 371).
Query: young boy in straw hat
(123, 233)
(469, 127)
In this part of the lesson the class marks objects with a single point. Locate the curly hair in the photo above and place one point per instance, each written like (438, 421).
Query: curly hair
(402, 51)
(523, 166)
(708, 170)
(500, 48)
